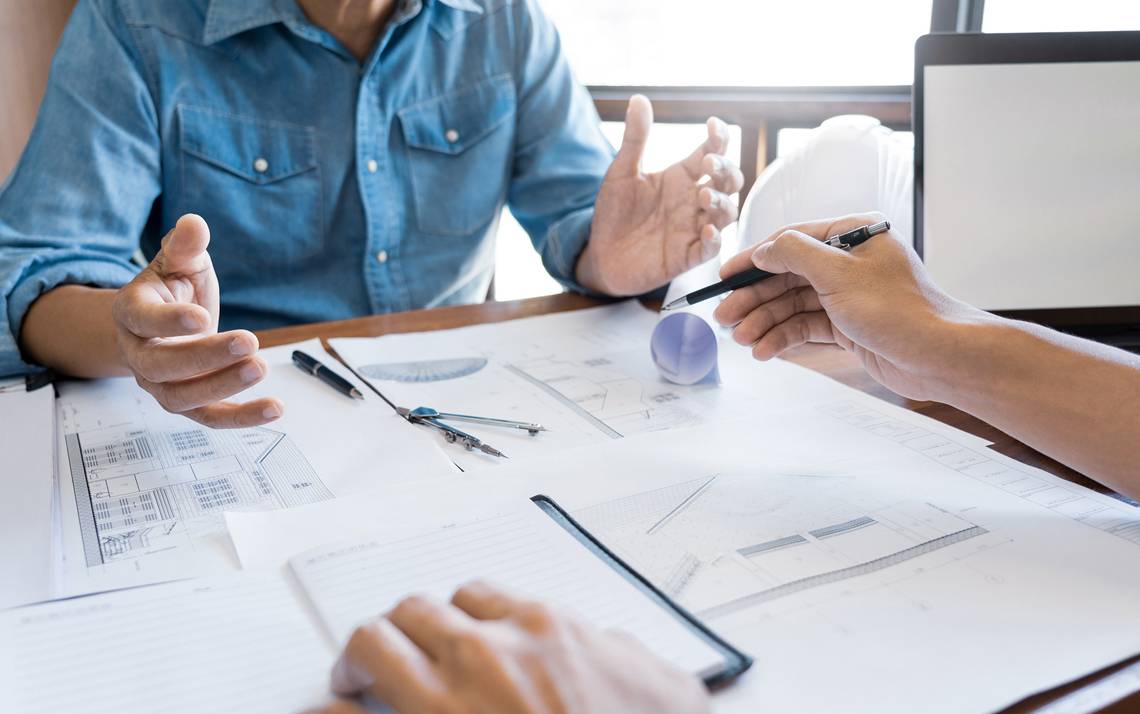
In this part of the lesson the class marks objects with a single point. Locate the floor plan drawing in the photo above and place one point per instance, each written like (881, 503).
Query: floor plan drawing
(726, 542)
(138, 491)
(609, 393)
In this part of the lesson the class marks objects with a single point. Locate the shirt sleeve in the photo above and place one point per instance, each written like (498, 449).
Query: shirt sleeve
(80, 196)
(561, 155)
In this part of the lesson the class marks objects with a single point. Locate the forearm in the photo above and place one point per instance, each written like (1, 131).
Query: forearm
(1074, 400)
(70, 329)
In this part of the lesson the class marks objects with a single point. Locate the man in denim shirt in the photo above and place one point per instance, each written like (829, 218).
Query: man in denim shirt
(342, 157)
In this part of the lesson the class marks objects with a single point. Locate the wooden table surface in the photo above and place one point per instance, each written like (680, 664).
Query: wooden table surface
(827, 359)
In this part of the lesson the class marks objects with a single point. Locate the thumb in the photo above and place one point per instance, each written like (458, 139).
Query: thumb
(184, 248)
(799, 253)
(638, 120)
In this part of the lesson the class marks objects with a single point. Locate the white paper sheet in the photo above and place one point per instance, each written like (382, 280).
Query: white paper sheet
(839, 544)
(586, 375)
(26, 447)
(142, 491)
(238, 643)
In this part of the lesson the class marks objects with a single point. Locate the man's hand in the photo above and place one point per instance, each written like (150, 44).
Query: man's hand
(876, 301)
(489, 652)
(166, 323)
(650, 228)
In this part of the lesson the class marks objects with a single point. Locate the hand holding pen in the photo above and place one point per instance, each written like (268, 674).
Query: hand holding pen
(876, 301)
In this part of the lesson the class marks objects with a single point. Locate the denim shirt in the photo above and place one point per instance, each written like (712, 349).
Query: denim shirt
(332, 188)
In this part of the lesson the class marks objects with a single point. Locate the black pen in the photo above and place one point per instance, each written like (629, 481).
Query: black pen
(326, 375)
(843, 241)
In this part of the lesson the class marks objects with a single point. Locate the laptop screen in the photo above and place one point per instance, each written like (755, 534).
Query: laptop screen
(1032, 183)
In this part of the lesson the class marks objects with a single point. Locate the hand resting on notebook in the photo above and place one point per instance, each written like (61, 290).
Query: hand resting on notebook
(489, 651)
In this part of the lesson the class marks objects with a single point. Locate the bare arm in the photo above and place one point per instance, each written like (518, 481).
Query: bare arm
(71, 330)
(1077, 401)
(161, 328)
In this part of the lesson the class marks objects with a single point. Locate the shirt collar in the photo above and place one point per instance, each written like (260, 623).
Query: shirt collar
(226, 18)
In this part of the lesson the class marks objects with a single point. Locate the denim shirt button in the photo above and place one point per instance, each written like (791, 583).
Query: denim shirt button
(372, 166)
(382, 257)
(451, 135)
(260, 165)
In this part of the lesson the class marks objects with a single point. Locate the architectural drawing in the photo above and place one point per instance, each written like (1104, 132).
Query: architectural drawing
(726, 542)
(139, 491)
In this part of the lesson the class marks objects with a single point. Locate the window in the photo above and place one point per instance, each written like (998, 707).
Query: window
(741, 42)
(1060, 15)
(722, 43)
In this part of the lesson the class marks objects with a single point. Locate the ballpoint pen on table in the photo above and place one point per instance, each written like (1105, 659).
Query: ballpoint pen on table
(310, 364)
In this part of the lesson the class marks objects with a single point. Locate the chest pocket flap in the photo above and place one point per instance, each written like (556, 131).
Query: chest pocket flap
(452, 123)
(257, 150)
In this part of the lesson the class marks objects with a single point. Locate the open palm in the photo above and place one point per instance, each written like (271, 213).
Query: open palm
(650, 227)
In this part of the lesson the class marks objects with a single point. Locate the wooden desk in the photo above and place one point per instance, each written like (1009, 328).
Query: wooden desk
(829, 360)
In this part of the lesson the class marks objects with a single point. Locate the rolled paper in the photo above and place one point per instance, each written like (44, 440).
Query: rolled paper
(684, 342)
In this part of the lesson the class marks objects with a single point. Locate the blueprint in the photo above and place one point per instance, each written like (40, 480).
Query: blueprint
(142, 492)
(588, 376)
(724, 543)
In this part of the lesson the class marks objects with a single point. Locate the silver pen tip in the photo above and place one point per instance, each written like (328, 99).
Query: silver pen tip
(679, 302)
(355, 394)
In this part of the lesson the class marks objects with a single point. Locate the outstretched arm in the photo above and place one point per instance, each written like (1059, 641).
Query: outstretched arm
(1075, 400)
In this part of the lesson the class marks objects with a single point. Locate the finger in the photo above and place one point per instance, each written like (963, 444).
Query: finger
(483, 601)
(197, 392)
(231, 415)
(765, 317)
(719, 209)
(715, 143)
(742, 301)
(183, 249)
(173, 360)
(800, 253)
(381, 660)
(431, 625)
(828, 227)
(638, 120)
(799, 329)
(340, 706)
(725, 175)
(705, 248)
(141, 309)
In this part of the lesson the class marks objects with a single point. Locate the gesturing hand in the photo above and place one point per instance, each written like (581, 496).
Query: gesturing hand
(166, 322)
(489, 652)
(649, 228)
(876, 301)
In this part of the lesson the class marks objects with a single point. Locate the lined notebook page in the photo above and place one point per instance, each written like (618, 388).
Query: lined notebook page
(240, 643)
(525, 551)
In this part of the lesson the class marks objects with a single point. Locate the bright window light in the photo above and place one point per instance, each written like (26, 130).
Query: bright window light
(1060, 15)
(741, 42)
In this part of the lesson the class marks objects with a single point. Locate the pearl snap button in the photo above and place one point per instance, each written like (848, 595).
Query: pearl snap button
(451, 135)
(382, 257)
(260, 165)
(372, 166)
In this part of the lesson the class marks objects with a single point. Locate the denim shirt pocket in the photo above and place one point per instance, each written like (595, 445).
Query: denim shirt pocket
(254, 180)
(460, 147)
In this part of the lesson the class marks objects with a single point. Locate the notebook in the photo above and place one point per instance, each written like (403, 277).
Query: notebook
(264, 640)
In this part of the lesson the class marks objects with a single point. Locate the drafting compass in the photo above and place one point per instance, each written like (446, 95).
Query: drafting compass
(433, 418)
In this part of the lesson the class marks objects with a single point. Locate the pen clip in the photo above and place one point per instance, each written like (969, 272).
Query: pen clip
(837, 242)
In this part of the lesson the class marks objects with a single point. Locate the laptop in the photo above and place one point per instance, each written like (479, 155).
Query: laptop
(1027, 175)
